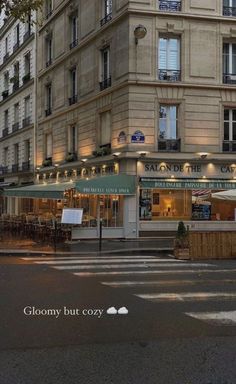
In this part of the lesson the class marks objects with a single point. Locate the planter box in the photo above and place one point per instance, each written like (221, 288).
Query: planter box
(182, 253)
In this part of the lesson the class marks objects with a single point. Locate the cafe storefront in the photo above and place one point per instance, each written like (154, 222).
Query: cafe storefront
(170, 192)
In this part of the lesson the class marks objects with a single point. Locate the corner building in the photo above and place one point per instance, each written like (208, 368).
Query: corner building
(145, 89)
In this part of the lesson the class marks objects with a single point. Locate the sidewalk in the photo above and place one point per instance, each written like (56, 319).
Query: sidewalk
(11, 245)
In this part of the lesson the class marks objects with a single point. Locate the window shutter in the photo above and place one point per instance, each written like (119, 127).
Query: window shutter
(173, 54)
(162, 53)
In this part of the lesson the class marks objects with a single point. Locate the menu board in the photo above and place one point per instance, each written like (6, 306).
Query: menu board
(201, 212)
(72, 216)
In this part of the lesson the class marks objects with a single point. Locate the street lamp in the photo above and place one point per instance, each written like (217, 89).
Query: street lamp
(139, 33)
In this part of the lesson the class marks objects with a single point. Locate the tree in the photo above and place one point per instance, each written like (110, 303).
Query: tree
(20, 9)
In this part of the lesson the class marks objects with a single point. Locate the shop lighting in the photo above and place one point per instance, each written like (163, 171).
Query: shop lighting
(172, 176)
(142, 153)
(204, 177)
(84, 160)
(203, 155)
(116, 154)
(234, 178)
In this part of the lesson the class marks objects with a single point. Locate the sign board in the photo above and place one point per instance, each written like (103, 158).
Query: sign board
(138, 137)
(72, 216)
(187, 184)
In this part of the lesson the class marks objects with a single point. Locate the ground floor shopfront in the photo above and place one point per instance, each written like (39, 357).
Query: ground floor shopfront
(145, 198)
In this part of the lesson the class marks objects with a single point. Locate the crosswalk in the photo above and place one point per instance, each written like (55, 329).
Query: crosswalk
(159, 280)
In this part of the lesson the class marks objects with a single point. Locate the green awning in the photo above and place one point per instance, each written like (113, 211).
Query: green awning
(186, 184)
(108, 185)
(40, 191)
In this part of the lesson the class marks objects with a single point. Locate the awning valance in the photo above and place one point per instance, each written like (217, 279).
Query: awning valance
(186, 184)
(121, 184)
(40, 191)
(225, 195)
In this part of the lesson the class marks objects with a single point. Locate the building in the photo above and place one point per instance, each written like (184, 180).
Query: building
(17, 72)
(144, 89)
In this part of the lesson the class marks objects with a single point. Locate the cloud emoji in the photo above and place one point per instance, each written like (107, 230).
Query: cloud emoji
(112, 311)
(123, 311)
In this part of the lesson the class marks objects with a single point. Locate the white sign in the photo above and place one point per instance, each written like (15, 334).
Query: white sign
(72, 216)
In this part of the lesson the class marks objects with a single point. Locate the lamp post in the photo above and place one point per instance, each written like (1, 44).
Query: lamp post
(139, 33)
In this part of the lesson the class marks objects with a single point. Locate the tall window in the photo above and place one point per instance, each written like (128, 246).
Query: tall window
(168, 128)
(48, 99)
(16, 153)
(48, 41)
(27, 63)
(73, 86)
(6, 81)
(27, 107)
(107, 11)
(16, 113)
(230, 124)
(48, 146)
(169, 59)
(229, 8)
(6, 45)
(5, 156)
(6, 119)
(105, 69)
(74, 30)
(105, 129)
(27, 150)
(229, 62)
(48, 8)
(72, 139)
(16, 37)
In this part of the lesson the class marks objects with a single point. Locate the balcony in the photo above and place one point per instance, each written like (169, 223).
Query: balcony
(26, 78)
(7, 55)
(71, 156)
(105, 84)
(15, 86)
(26, 121)
(16, 46)
(26, 166)
(15, 168)
(169, 145)
(229, 11)
(73, 44)
(49, 62)
(5, 132)
(27, 35)
(169, 75)
(15, 126)
(229, 146)
(5, 94)
(169, 6)
(73, 99)
(49, 14)
(48, 112)
(4, 170)
(229, 78)
(106, 19)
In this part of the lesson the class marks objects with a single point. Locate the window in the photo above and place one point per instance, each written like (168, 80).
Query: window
(15, 78)
(107, 11)
(6, 119)
(5, 156)
(229, 7)
(27, 107)
(6, 45)
(48, 100)
(16, 37)
(6, 81)
(73, 86)
(16, 153)
(48, 42)
(27, 150)
(27, 28)
(105, 69)
(15, 126)
(168, 123)
(48, 8)
(170, 6)
(229, 142)
(72, 140)
(74, 31)
(48, 146)
(169, 59)
(27, 63)
(229, 63)
(105, 129)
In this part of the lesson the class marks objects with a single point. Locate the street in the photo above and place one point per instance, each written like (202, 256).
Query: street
(117, 319)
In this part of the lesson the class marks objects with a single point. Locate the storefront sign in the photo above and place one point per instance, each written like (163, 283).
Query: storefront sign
(108, 185)
(187, 184)
(138, 137)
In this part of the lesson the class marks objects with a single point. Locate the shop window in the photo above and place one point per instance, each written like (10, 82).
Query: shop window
(169, 59)
(168, 128)
(229, 139)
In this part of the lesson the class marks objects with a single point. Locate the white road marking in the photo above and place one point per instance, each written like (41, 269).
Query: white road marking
(121, 266)
(187, 296)
(94, 258)
(102, 261)
(124, 284)
(217, 318)
(158, 272)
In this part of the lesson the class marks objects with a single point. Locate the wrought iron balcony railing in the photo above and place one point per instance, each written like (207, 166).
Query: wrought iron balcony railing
(48, 112)
(169, 74)
(49, 14)
(7, 55)
(170, 6)
(49, 62)
(26, 78)
(15, 86)
(74, 43)
(5, 132)
(169, 145)
(15, 167)
(229, 78)
(26, 166)
(106, 19)
(5, 94)
(27, 35)
(26, 121)
(105, 83)
(229, 146)
(229, 11)
(4, 169)
(15, 126)
(73, 99)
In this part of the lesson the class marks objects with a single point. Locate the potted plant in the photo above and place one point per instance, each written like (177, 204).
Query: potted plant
(47, 162)
(71, 156)
(104, 151)
(182, 242)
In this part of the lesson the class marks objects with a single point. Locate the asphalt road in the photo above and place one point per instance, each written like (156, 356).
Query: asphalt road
(54, 327)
